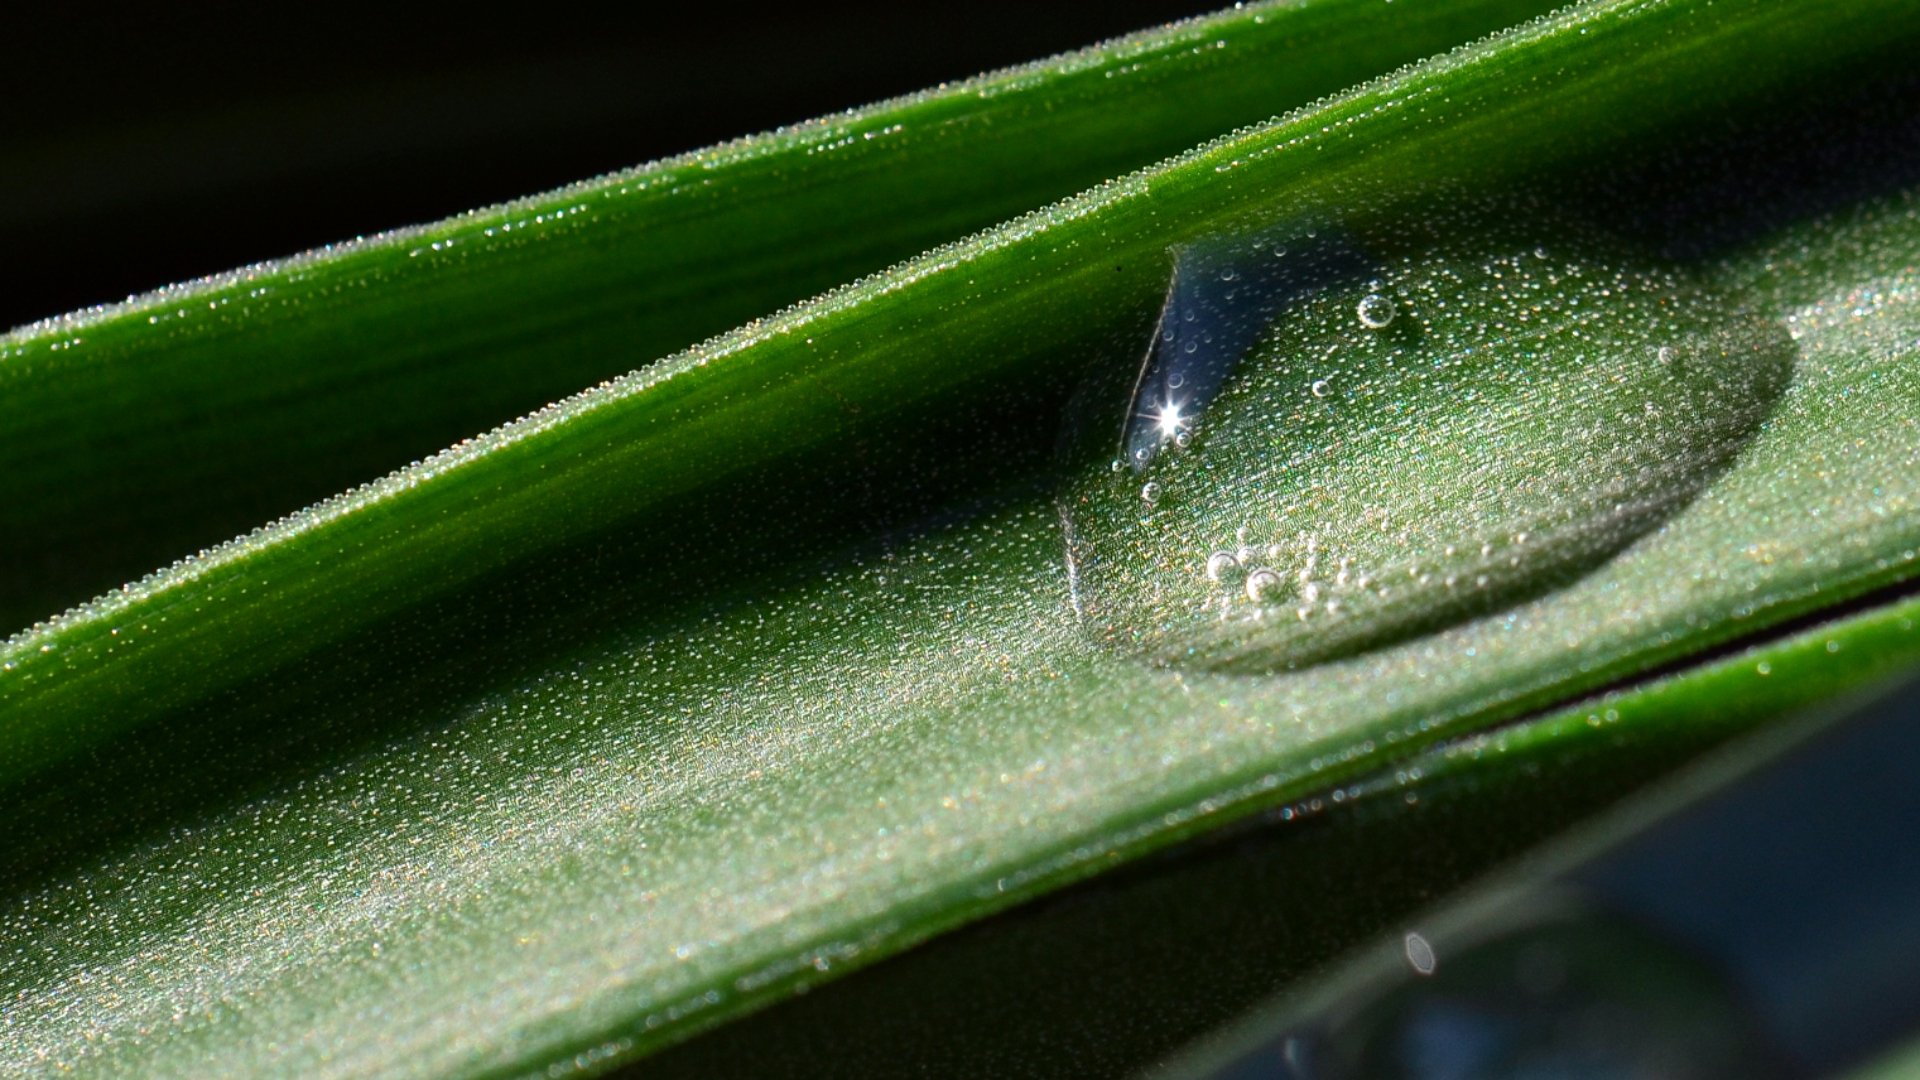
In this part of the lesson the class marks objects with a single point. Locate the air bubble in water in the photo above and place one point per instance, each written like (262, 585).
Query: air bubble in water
(1556, 397)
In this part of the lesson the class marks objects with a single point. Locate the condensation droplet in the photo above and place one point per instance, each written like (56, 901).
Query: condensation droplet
(1262, 585)
(1420, 955)
(1375, 311)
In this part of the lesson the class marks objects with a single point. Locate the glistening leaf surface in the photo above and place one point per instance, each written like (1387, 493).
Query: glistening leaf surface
(512, 758)
(140, 432)
(1214, 927)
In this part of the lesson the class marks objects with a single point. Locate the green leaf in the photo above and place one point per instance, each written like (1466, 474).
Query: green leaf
(240, 398)
(1115, 973)
(763, 661)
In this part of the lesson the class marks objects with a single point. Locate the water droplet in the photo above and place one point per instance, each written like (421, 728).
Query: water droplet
(1220, 564)
(1494, 449)
(1420, 955)
(1375, 311)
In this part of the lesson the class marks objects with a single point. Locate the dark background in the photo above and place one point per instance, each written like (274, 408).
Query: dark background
(143, 147)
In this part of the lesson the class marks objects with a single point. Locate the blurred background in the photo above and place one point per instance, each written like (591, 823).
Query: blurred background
(143, 147)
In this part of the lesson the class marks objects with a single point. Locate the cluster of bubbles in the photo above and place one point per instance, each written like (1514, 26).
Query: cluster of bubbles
(1247, 574)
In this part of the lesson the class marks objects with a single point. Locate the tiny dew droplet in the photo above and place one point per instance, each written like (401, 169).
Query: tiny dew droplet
(1262, 585)
(1420, 955)
(1498, 449)
(1375, 311)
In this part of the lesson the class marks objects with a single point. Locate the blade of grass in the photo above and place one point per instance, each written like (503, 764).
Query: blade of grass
(1109, 977)
(665, 767)
(140, 432)
(1024, 304)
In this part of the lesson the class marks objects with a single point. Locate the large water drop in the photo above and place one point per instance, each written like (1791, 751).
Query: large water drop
(1504, 413)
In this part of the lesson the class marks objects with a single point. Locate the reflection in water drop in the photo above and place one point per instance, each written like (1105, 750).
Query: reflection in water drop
(1517, 412)
(1209, 326)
